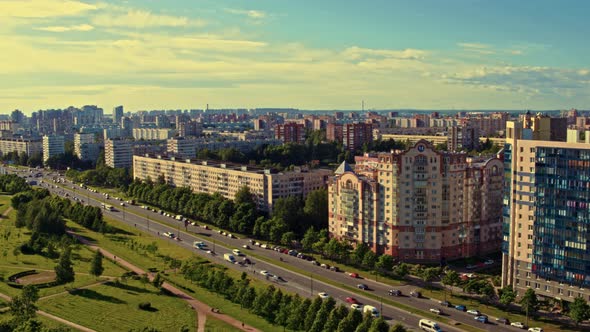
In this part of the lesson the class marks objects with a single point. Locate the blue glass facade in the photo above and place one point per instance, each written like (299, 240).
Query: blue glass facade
(561, 248)
(506, 198)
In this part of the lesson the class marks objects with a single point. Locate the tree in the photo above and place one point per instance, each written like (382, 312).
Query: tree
(64, 271)
(384, 263)
(398, 328)
(451, 278)
(157, 281)
(287, 238)
(316, 208)
(96, 268)
(579, 310)
(23, 306)
(295, 321)
(379, 325)
(529, 303)
(369, 260)
(310, 237)
(401, 270)
(507, 295)
(312, 313)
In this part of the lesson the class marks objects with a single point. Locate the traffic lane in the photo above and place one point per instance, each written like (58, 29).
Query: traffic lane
(300, 280)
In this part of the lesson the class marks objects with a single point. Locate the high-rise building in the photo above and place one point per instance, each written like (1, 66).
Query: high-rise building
(546, 212)
(334, 132)
(86, 147)
(463, 138)
(117, 114)
(354, 135)
(28, 146)
(290, 132)
(419, 205)
(127, 126)
(118, 153)
(52, 146)
(181, 147)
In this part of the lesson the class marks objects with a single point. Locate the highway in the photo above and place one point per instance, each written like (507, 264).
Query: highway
(304, 284)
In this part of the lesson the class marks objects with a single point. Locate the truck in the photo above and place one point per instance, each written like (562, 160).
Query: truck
(372, 310)
(229, 257)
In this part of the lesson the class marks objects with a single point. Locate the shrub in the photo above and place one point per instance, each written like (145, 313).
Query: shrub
(145, 306)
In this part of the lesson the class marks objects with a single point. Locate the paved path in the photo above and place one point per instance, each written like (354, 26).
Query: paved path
(201, 308)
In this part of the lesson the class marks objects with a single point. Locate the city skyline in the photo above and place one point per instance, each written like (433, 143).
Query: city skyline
(331, 55)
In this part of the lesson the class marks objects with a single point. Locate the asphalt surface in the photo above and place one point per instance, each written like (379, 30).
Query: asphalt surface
(304, 284)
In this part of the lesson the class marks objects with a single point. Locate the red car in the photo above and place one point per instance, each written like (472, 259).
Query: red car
(353, 275)
(352, 300)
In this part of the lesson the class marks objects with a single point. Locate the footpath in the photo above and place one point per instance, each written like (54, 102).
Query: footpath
(201, 308)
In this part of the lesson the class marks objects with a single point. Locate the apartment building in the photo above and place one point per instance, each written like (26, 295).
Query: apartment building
(28, 146)
(152, 134)
(86, 147)
(118, 153)
(52, 146)
(226, 179)
(290, 133)
(419, 205)
(355, 135)
(546, 211)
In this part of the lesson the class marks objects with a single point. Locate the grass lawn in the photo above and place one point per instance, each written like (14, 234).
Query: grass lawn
(47, 322)
(4, 203)
(216, 325)
(112, 307)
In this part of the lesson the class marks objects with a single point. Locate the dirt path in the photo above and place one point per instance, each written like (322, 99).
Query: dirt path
(201, 308)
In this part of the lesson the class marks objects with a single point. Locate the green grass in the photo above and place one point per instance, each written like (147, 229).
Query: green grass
(216, 325)
(112, 307)
(47, 322)
(4, 203)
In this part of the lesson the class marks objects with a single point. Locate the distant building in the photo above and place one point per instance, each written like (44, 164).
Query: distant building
(117, 114)
(181, 147)
(334, 132)
(118, 153)
(354, 135)
(463, 138)
(86, 147)
(290, 133)
(52, 146)
(28, 146)
(227, 179)
(419, 205)
(152, 134)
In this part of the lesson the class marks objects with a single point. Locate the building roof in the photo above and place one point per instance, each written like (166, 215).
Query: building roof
(343, 168)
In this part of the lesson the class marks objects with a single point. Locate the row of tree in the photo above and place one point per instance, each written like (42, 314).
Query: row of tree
(12, 184)
(291, 311)
(23, 159)
(102, 176)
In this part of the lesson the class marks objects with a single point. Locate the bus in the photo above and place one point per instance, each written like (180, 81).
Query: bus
(107, 207)
(428, 325)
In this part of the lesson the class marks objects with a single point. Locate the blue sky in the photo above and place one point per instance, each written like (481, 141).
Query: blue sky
(452, 54)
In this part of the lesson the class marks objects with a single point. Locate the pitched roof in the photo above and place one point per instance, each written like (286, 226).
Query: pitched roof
(343, 168)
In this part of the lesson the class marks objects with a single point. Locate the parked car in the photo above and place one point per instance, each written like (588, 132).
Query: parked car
(245, 246)
(518, 324)
(265, 273)
(169, 235)
(334, 268)
(362, 286)
(351, 300)
(503, 320)
(535, 329)
(247, 261)
(436, 311)
(445, 303)
(237, 252)
(471, 267)
(489, 262)
(461, 307)
(395, 292)
(473, 312)
(323, 295)
(353, 275)
(315, 263)
(481, 319)
(416, 294)
(356, 306)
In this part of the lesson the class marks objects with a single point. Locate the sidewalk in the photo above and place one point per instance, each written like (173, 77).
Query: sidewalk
(201, 308)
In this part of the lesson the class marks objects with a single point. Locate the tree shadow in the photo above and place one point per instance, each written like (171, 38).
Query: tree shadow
(129, 288)
(93, 295)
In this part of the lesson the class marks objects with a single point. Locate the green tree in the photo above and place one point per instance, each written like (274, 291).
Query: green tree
(320, 319)
(529, 303)
(358, 254)
(31, 325)
(507, 295)
(157, 281)
(579, 310)
(23, 306)
(365, 324)
(287, 238)
(398, 328)
(369, 260)
(379, 325)
(96, 268)
(295, 321)
(334, 318)
(384, 263)
(310, 237)
(64, 271)
(316, 209)
(451, 278)
(312, 313)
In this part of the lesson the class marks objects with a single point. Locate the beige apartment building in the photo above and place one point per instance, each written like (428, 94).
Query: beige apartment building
(28, 146)
(224, 178)
(546, 212)
(118, 153)
(419, 205)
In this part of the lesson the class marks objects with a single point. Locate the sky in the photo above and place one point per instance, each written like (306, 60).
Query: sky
(306, 54)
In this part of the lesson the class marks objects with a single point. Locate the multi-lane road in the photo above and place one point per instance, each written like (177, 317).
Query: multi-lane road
(306, 284)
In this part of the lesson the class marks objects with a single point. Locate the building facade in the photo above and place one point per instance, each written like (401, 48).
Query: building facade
(28, 146)
(86, 147)
(354, 135)
(419, 205)
(152, 134)
(52, 146)
(290, 133)
(227, 179)
(546, 213)
(118, 153)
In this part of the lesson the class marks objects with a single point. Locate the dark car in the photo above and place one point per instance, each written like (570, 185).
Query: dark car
(334, 268)
(416, 294)
(362, 286)
(503, 320)
(394, 292)
(445, 303)
(461, 307)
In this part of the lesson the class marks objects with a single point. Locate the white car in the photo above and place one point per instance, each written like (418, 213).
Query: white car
(517, 324)
(535, 329)
(323, 295)
(436, 311)
(356, 306)
(265, 273)
(237, 252)
(169, 234)
(473, 312)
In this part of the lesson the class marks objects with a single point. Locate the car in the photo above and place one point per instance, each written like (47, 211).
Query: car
(265, 273)
(503, 320)
(436, 311)
(169, 235)
(334, 268)
(122, 204)
(323, 295)
(353, 275)
(247, 261)
(245, 246)
(473, 312)
(415, 294)
(278, 278)
(535, 329)
(518, 324)
(264, 246)
(461, 307)
(394, 292)
(292, 252)
(315, 263)
(362, 286)
(210, 252)
(445, 303)
(206, 227)
(237, 252)
(489, 262)
(351, 300)
(481, 318)
(199, 245)
(471, 267)
(356, 306)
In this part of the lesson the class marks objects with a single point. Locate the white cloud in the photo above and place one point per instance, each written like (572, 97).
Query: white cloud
(43, 8)
(144, 19)
(356, 53)
(80, 27)
(253, 14)
(477, 48)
